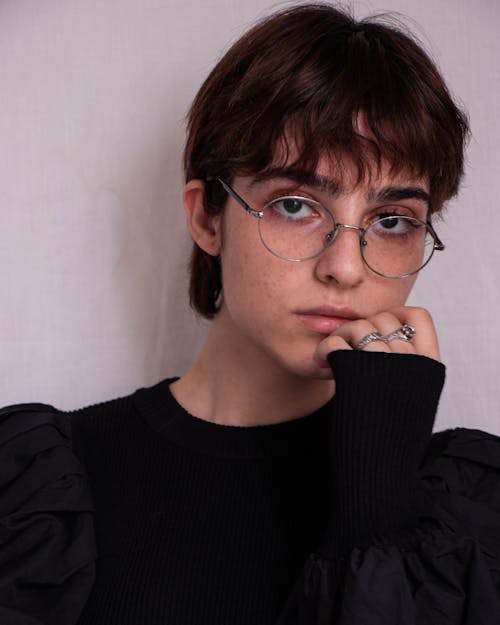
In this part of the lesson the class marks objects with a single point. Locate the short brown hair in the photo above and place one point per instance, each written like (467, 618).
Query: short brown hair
(311, 70)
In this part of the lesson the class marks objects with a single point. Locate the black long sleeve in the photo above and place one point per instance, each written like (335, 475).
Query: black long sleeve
(382, 417)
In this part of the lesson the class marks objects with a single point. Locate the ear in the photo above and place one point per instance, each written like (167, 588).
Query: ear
(205, 229)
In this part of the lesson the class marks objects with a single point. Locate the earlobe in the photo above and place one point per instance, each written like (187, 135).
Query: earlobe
(204, 228)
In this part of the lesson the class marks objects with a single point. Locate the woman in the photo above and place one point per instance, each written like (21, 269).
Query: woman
(291, 475)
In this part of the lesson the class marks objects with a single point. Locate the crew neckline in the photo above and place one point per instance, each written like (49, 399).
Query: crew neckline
(161, 411)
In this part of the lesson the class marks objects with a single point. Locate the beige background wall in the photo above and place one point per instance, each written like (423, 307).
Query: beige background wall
(93, 247)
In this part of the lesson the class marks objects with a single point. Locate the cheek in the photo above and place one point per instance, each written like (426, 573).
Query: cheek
(407, 286)
(255, 283)
(251, 282)
(395, 292)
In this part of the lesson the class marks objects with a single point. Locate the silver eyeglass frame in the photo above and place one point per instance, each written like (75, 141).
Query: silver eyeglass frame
(438, 245)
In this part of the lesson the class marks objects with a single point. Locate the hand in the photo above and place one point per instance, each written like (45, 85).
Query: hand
(424, 343)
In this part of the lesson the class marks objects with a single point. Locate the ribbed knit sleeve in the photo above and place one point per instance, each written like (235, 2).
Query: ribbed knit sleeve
(414, 531)
(383, 413)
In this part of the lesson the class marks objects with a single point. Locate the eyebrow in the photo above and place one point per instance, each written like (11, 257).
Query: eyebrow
(311, 179)
(398, 193)
(334, 187)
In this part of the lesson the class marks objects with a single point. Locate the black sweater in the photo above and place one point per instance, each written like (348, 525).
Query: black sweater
(204, 524)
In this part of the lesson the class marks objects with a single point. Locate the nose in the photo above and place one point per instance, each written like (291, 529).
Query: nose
(341, 262)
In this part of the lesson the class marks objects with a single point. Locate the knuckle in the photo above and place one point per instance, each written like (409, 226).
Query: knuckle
(420, 313)
(383, 318)
(330, 344)
(335, 342)
(361, 325)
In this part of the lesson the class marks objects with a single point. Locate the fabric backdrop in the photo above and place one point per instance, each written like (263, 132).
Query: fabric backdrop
(93, 246)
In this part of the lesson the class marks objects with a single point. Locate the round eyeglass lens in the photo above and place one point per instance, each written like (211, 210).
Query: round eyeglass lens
(296, 228)
(396, 246)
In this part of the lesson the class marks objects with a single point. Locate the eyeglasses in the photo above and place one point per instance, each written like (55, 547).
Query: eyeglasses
(297, 229)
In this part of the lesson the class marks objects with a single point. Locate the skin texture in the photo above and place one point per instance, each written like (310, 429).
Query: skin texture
(265, 353)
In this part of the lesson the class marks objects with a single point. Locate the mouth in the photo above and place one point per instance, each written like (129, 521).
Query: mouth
(325, 319)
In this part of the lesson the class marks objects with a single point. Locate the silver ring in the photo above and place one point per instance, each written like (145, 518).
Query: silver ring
(369, 338)
(405, 333)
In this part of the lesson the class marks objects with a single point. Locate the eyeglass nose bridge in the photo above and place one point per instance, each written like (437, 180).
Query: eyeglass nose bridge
(331, 236)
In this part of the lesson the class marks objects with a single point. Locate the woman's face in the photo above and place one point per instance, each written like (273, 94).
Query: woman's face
(280, 310)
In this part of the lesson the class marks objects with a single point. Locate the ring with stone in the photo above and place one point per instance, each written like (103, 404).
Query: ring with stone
(405, 333)
(369, 338)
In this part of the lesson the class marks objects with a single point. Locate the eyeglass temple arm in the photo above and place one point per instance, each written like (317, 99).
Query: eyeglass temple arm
(438, 244)
(236, 197)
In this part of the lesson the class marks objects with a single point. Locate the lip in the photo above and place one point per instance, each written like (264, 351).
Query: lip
(325, 319)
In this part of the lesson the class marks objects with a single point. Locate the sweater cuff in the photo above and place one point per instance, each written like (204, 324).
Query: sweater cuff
(383, 414)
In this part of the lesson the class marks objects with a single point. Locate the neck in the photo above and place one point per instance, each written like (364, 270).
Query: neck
(232, 382)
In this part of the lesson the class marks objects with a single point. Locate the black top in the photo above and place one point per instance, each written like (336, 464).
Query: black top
(353, 515)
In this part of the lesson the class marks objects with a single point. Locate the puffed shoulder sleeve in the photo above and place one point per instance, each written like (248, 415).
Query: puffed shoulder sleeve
(47, 547)
(414, 535)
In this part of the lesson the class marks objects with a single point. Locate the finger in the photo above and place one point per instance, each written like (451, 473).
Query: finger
(387, 323)
(329, 344)
(359, 331)
(425, 342)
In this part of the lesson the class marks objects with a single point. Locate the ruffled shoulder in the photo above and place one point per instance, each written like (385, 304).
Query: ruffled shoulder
(47, 545)
(461, 471)
(446, 573)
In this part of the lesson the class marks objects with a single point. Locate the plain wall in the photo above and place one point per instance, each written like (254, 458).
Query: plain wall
(93, 245)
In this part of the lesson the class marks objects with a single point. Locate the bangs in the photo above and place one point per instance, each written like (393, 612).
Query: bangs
(350, 100)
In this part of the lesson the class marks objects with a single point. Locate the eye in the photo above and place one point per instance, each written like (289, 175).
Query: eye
(391, 224)
(391, 221)
(293, 208)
